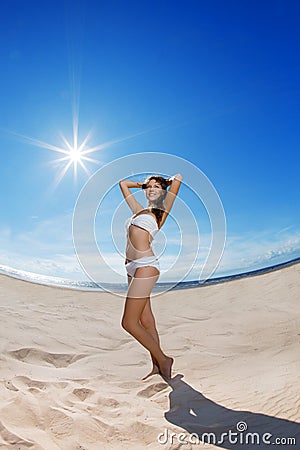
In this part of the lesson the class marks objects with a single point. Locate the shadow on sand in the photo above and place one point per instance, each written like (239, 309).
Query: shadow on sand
(195, 413)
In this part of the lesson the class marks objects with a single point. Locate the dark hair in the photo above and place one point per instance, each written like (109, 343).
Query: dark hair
(158, 208)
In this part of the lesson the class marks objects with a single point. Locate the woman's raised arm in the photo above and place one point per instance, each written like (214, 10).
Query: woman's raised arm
(175, 183)
(125, 186)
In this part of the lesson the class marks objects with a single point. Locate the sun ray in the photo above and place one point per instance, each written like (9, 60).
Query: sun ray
(84, 142)
(66, 142)
(59, 160)
(84, 167)
(75, 170)
(117, 141)
(90, 159)
(60, 175)
(39, 143)
(74, 151)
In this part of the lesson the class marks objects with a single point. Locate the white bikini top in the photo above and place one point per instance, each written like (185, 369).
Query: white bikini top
(145, 221)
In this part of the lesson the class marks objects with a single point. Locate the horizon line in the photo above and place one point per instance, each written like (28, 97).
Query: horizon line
(17, 274)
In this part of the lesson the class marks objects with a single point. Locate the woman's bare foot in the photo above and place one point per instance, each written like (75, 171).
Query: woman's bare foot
(165, 368)
(155, 370)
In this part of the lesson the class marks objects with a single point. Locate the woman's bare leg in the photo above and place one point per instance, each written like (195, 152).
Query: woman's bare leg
(148, 322)
(137, 297)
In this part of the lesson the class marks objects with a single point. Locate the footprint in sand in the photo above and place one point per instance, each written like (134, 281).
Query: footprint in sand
(13, 440)
(152, 390)
(21, 383)
(83, 393)
(29, 383)
(39, 357)
(9, 385)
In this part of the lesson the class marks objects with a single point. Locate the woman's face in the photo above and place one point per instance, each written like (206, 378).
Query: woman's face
(153, 191)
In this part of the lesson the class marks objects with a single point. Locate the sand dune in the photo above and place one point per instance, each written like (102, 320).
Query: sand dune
(70, 377)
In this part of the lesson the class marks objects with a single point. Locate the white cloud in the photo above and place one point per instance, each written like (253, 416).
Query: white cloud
(248, 251)
(46, 249)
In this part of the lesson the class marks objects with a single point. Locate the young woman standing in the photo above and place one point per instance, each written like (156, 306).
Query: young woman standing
(142, 265)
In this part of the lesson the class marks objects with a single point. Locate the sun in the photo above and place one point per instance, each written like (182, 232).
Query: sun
(75, 154)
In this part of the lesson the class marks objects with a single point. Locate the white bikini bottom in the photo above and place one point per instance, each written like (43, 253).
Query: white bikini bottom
(146, 261)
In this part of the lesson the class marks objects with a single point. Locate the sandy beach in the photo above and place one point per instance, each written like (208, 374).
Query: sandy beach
(70, 377)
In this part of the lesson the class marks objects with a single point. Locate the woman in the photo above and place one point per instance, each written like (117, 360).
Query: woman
(141, 264)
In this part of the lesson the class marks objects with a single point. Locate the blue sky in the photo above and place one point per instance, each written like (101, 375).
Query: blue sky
(215, 83)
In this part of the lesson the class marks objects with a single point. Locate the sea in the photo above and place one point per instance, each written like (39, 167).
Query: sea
(120, 288)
